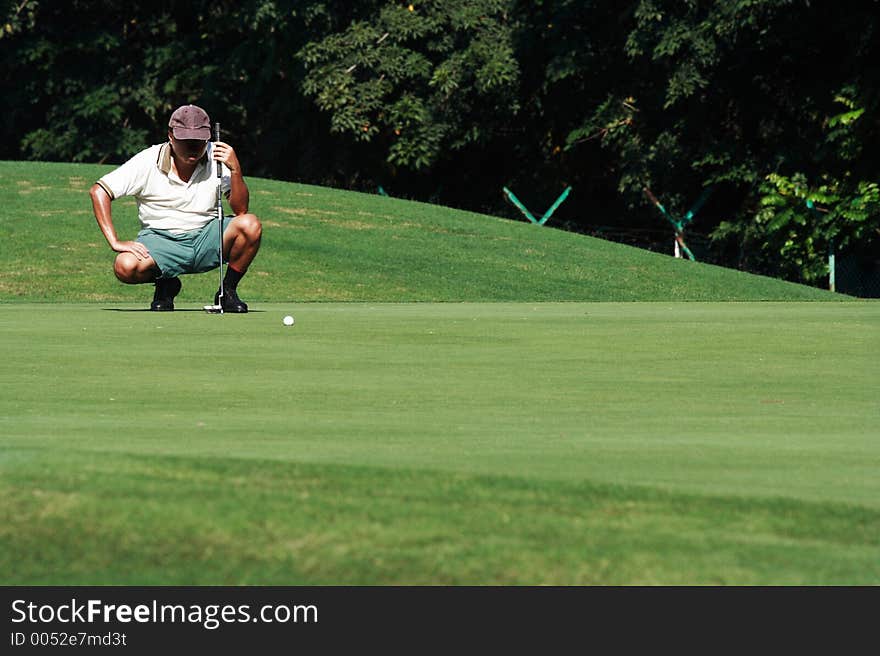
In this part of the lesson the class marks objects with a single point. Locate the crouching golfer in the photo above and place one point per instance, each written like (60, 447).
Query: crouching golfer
(175, 186)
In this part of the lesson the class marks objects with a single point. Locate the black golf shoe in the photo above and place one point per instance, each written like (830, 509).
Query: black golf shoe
(231, 302)
(163, 297)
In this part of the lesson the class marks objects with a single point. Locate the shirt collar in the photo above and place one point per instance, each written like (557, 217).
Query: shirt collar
(164, 161)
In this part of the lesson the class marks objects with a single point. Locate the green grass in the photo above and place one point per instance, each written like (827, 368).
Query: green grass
(327, 245)
(508, 439)
(240, 522)
(450, 443)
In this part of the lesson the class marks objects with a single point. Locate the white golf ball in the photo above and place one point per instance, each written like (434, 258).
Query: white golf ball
(288, 320)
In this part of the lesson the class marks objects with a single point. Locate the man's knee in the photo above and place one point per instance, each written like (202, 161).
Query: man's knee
(250, 227)
(130, 270)
(125, 267)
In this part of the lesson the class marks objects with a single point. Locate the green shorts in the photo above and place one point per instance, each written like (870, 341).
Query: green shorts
(190, 252)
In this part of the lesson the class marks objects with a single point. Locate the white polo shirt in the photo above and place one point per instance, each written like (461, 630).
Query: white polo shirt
(164, 201)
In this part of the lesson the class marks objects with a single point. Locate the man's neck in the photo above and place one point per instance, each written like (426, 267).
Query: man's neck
(184, 171)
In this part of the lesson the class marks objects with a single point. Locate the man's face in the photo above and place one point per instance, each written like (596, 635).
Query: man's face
(189, 150)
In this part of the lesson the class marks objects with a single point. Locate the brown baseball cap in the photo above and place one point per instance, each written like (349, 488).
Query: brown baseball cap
(190, 122)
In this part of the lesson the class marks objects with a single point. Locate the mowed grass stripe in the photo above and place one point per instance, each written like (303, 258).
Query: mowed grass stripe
(82, 518)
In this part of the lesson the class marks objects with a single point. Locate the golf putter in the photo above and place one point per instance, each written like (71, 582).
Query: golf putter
(218, 308)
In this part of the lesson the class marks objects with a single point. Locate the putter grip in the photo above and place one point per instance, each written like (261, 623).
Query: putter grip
(216, 139)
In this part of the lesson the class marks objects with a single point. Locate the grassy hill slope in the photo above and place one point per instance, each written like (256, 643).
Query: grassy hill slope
(328, 245)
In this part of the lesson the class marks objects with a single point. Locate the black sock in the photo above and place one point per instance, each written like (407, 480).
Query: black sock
(231, 279)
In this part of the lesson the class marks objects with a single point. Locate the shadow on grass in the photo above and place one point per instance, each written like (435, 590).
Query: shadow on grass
(176, 310)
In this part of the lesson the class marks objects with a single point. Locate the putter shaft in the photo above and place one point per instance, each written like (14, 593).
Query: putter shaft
(219, 217)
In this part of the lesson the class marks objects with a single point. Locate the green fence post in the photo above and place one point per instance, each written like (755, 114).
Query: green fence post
(522, 208)
(679, 224)
(555, 205)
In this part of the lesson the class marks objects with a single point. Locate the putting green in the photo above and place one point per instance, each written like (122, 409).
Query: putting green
(754, 399)
(564, 443)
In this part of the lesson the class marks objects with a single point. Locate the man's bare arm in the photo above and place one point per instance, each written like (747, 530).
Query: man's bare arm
(103, 215)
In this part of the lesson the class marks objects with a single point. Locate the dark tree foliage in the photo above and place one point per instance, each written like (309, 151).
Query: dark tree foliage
(773, 104)
(95, 80)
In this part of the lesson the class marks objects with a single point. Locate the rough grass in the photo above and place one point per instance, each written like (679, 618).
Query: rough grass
(328, 245)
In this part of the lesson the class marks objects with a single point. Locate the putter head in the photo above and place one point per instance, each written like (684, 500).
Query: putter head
(214, 309)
